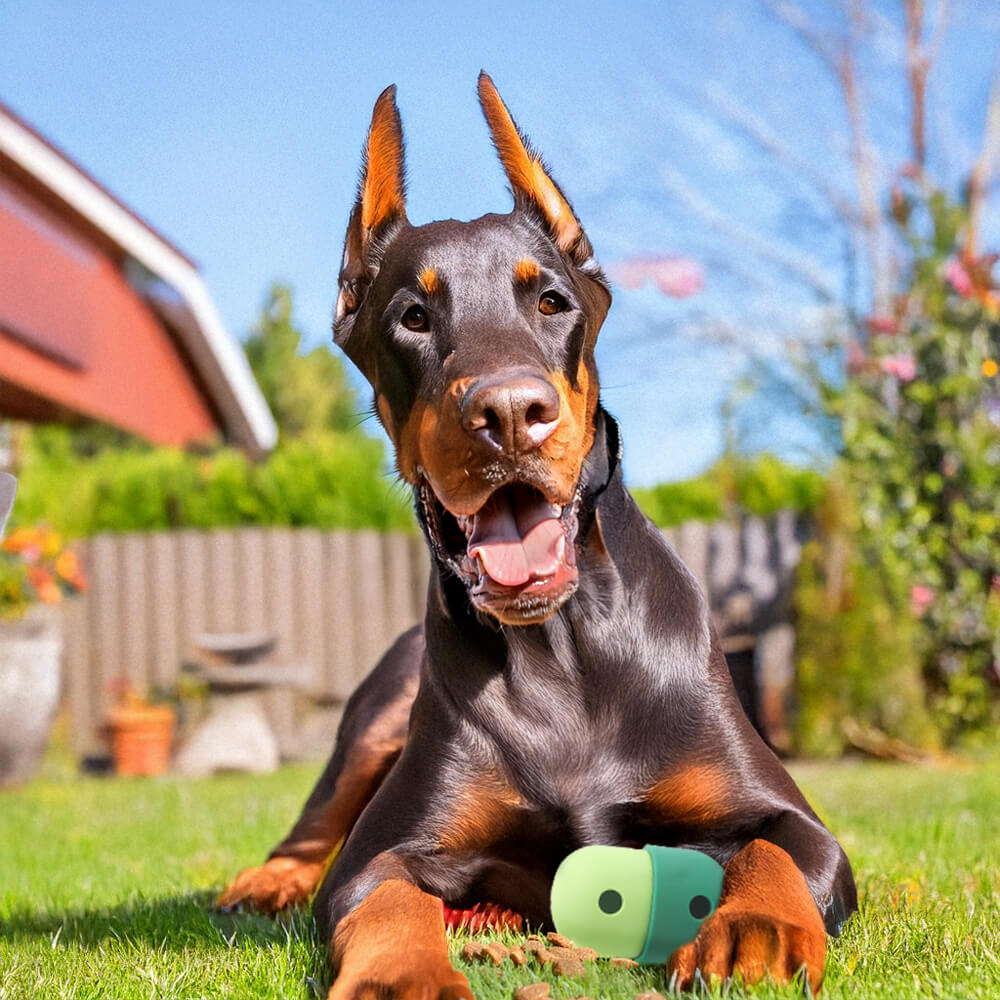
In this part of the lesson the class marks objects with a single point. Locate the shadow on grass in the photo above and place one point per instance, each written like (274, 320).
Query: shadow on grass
(174, 923)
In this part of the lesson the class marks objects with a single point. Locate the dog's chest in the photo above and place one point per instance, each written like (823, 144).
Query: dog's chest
(566, 761)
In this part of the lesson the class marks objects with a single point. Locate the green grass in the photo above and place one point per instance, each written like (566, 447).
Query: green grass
(105, 886)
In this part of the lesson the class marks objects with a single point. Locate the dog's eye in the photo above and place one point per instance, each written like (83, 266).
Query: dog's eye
(415, 319)
(551, 303)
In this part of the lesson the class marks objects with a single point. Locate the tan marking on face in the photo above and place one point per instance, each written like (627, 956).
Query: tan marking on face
(567, 446)
(429, 281)
(526, 271)
(696, 794)
(433, 440)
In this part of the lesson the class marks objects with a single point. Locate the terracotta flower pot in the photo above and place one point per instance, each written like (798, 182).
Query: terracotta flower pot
(141, 737)
(30, 653)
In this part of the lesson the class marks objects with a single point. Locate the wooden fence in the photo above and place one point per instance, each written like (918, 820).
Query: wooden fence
(334, 599)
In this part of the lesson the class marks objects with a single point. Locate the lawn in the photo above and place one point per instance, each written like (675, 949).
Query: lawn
(105, 888)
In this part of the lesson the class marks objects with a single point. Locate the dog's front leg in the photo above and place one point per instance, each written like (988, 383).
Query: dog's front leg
(392, 944)
(767, 924)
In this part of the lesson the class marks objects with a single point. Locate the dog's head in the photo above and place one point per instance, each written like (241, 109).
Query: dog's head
(478, 340)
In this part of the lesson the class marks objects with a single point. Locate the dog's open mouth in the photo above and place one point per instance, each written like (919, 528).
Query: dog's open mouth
(516, 554)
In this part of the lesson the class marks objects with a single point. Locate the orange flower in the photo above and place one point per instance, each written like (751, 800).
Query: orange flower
(67, 565)
(990, 368)
(18, 540)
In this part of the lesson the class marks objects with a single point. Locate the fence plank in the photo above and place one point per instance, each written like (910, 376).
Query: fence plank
(340, 617)
(104, 621)
(368, 580)
(193, 587)
(163, 607)
(250, 583)
(78, 666)
(135, 623)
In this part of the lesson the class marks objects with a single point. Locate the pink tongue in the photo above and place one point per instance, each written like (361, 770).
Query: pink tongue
(518, 541)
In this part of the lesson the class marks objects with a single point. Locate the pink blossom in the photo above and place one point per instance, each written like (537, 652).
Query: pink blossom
(678, 277)
(882, 324)
(903, 366)
(956, 273)
(921, 598)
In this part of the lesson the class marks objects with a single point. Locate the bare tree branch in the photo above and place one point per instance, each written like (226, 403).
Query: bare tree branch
(983, 170)
(797, 20)
(770, 142)
(793, 262)
(916, 66)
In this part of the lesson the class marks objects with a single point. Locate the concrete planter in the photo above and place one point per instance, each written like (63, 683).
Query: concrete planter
(30, 654)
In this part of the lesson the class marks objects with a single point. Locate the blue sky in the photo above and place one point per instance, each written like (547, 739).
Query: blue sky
(236, 128)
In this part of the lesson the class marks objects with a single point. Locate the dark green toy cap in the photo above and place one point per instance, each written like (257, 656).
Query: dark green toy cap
(686, 889)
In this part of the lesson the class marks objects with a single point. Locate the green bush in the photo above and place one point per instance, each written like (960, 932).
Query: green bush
(857, 652)
(735, 485)
(920, 499)
(325, 480)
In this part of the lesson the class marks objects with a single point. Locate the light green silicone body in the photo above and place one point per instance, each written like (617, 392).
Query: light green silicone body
(641, 904)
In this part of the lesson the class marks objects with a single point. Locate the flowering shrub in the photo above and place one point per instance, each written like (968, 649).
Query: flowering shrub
(35, 567)
(920, 475)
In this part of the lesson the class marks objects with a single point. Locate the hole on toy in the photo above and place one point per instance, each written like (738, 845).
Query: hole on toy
(700, 907)
(610, 901)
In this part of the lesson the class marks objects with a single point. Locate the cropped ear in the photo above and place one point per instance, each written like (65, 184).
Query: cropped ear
(380, 205)
(528, 178)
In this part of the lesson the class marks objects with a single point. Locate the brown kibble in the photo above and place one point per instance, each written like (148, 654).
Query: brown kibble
(624, 963)
(560, 940)
(562, 952)
(517, 956)
(533, 944)
(650, 995)
(568, 965)
(496, 951)
(544, 956)
(586, 954)
(533, 991)
(472, 951)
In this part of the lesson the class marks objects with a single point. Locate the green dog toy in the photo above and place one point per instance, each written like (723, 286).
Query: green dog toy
(642, 904)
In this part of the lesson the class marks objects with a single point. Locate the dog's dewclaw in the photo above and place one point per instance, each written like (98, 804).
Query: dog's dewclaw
(533, 991)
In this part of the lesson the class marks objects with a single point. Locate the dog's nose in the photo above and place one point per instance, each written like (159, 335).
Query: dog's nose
(512, 412)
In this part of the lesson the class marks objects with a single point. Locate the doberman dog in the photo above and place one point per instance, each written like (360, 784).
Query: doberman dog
(566, 687)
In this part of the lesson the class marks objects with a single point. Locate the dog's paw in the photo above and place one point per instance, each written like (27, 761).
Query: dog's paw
(411, 976)
(272, 886)
(767, 925)
(753, 946)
